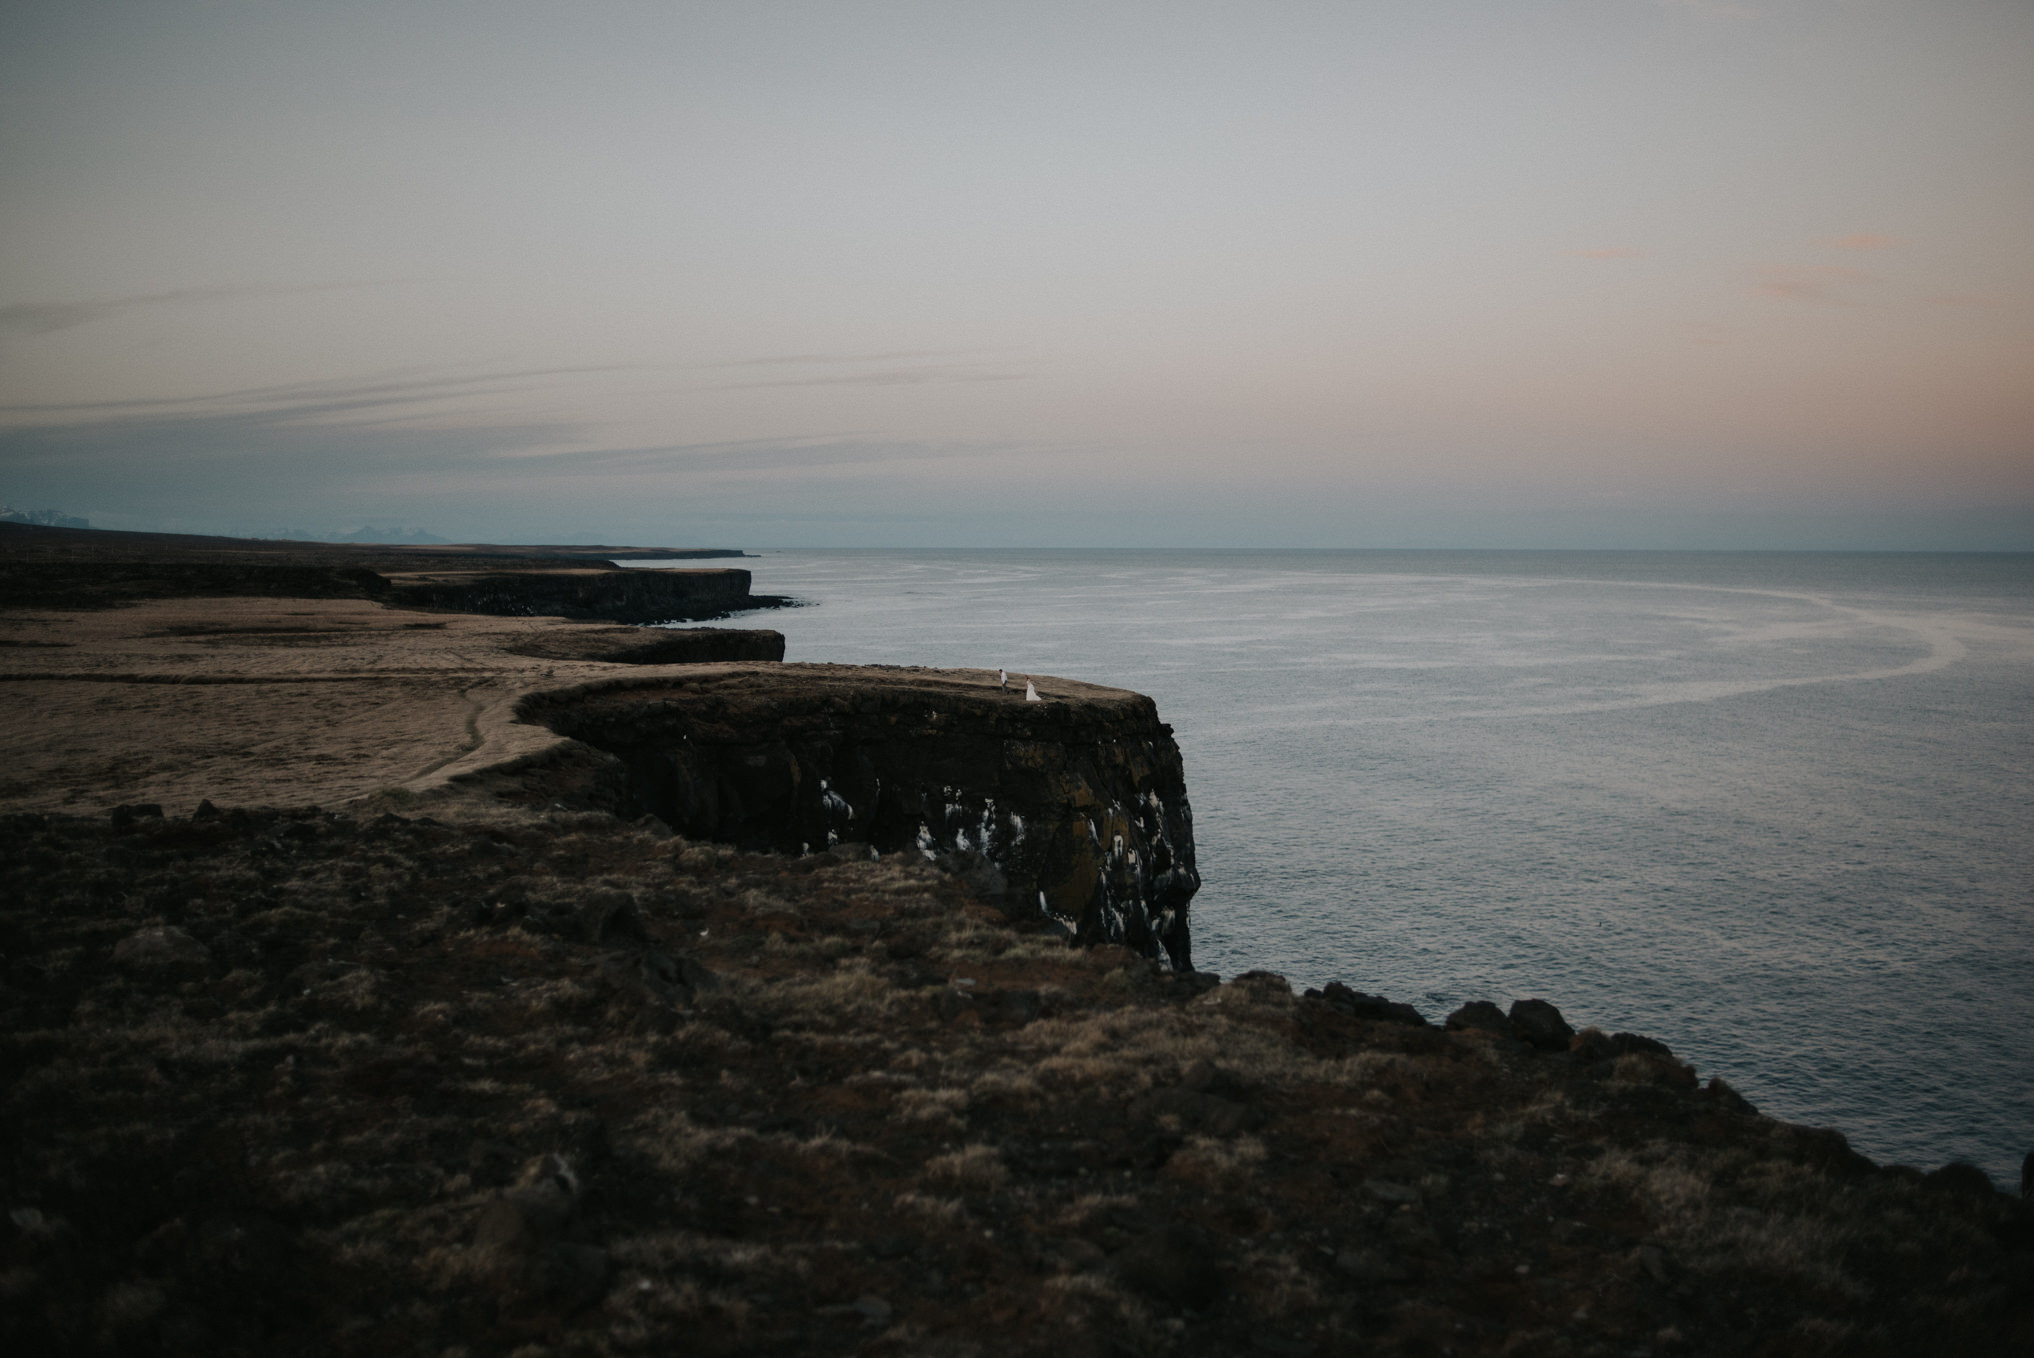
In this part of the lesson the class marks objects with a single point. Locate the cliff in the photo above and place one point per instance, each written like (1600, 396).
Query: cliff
(1072, 809)
(484, 1059)
(612, 593)
(44, 567)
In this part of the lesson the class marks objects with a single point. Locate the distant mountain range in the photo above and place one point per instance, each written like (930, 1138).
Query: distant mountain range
(48, 518)
(52, 518)
(363, 534)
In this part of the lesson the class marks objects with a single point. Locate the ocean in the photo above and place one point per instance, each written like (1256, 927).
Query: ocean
(1775, 809)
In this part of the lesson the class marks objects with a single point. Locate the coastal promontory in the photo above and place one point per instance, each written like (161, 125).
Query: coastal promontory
(378, 978)
(1069, 805)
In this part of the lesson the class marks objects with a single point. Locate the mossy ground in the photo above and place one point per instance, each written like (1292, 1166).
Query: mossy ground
(556, 1084)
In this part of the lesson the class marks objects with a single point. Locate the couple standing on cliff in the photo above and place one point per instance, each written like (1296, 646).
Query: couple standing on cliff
(1030, 692)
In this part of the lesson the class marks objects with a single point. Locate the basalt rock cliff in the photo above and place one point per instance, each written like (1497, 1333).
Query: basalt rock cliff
(1073, 807)
(654, 646)
(611, 593)
(43, 567)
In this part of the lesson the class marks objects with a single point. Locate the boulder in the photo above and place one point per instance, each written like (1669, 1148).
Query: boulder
(1539, 1023)
(1375, 1008)
(1959, 1176)
(1481, 1016)
(1719, 1090)
(1591, 1045)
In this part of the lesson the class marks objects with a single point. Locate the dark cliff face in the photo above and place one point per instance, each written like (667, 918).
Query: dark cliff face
(29, 583)
(610, 594)
(637, 596)
(655, 646)
(1074, 807)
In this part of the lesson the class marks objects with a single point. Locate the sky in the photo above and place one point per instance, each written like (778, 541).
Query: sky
(1466, 273)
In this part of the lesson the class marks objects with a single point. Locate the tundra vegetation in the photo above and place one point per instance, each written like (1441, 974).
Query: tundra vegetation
(507, 1081)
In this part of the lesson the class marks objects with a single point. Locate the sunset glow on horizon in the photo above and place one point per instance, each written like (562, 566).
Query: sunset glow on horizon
(1559, 273)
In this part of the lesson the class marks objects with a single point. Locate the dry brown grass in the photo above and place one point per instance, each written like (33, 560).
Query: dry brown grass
(950, 1212)
(941, 1107)
(824, 1124)
(976, 1169)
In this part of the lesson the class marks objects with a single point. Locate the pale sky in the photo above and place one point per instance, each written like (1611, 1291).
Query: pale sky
(1517, 273)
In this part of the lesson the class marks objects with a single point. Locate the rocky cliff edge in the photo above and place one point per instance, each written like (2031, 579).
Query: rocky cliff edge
(1071, 808)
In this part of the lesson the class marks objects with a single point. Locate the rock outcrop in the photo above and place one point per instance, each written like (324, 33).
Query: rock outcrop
(29, 583)
(1074, 807)
(612, 594)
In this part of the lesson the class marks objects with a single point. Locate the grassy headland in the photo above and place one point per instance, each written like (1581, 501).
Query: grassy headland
(472, 1064)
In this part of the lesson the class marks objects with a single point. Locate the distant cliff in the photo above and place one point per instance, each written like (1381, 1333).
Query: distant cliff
(612, 594)
(46, 567)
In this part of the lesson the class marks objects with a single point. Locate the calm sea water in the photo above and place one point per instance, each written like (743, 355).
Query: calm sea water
(1775, 809)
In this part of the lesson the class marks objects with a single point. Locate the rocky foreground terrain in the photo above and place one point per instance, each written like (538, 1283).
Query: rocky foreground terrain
(479, 1058)
(547, 1082)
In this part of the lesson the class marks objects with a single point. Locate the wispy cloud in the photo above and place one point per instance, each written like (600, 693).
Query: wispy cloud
(246, 460)
(1607, 252)
(748, 455)
(887, 377)
(306, 400)
(407, 389)
(43, 318)
(811, 360)
(1720, 9)
(274, 460)
(1824, 283)
(920, 367)
(1863, 240)
(381, 444)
